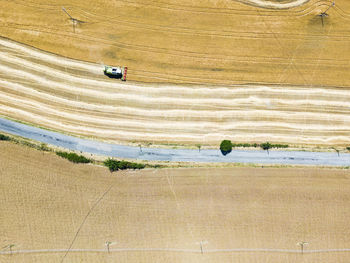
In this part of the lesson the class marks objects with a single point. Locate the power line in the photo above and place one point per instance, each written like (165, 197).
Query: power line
(324, 14)
(75, 21)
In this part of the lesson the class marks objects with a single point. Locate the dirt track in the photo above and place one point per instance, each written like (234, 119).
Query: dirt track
(47, 203)
(75, 97)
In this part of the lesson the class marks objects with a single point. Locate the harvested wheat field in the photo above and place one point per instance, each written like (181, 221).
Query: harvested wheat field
(249, 71)
(75, 97)
(49, 206)
(207, 41)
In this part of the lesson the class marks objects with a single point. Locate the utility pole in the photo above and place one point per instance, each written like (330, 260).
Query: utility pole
(201, 243)
(108, 243)
(338, 151)
(324, 14)
(302, 244)
(75, 21)
(9, 247)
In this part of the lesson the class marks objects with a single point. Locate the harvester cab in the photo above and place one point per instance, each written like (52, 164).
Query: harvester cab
(116, 72)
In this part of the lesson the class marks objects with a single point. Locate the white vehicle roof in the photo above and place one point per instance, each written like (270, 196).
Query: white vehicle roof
(117, 70)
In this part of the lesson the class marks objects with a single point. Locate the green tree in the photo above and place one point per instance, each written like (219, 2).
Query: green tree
(226, 147)
(266, 146)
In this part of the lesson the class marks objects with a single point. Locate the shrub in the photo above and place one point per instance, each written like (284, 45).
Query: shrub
(4, 138)
(43, 147)
(115, 165)
(348, 148)
(226, 147)
(255, 145)
(73, 157)
(266, 146)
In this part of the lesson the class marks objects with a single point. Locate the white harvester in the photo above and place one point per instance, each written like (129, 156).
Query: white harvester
(116, 72)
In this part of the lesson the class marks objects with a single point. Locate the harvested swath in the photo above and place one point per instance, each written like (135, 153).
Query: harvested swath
(44, 92)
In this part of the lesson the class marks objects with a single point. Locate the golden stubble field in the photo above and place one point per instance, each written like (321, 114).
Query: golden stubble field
(48, 203)
(225, 70)
(207, 41)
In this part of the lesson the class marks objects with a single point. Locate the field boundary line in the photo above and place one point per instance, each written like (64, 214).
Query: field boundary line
(182, 250)
(83, 222)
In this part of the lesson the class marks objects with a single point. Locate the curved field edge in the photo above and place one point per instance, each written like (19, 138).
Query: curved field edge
(275, 4)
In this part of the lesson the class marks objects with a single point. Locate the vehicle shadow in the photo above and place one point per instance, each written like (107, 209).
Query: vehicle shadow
(112, 76)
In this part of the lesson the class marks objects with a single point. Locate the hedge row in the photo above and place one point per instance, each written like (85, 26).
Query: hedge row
(115, 165)
(226, 146)
(73, 157)
(4, 138)
(245, 145)
(279, 145)
(256, 145)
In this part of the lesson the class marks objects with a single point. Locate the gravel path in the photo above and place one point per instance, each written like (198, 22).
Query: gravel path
(175, 155)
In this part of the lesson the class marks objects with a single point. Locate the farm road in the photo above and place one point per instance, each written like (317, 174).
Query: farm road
(175, 155)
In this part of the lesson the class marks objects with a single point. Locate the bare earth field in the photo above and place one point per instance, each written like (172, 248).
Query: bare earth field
(235, 70)
(48, 203)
